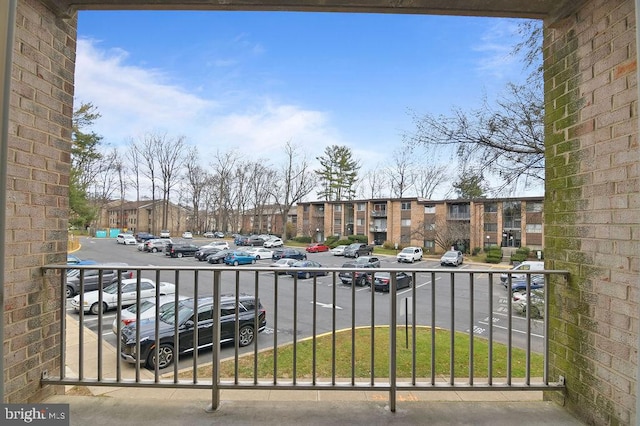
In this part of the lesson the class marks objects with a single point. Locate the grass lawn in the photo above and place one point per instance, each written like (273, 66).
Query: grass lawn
(363, 363)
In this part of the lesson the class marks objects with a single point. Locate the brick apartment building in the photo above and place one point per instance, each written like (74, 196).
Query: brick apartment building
(506, 222)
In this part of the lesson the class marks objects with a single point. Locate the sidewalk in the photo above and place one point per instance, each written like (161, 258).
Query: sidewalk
(151, 405)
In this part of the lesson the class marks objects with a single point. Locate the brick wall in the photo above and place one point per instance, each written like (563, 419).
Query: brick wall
(591, 207)
(37, 203)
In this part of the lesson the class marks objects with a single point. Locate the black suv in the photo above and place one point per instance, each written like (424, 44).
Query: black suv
(180, 250)
(91, 278)
(288, 254)
(188, 321)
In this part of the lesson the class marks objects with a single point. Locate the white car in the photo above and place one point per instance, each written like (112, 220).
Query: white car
(126, 239)
(217, 244)
(147, 309)
(260, 252)
(338, 250)
(273, 243)
(409, 254)
(283, 265)
(187, 235)
(129, 295)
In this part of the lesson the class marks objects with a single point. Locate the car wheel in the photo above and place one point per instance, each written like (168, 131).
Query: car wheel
(361, 281)
(95, 308)
(178, 254)
(535, 312)
(69, 292)
(356, 255)
(154, 250)
(412, 260)
(307, 275)
(245, 336)
(235, 263)
(165, 356)
(257, 258)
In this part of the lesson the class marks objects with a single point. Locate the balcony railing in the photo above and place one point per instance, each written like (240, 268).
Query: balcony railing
(458, 216)
(379, 213)
(313, 311)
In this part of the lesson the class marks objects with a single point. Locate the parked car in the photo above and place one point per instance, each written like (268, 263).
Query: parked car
(382, 281)
(358, 249)
(527, 265)
(367, 261)
(218, 234)
(241, 240)
(187, 235)
(144, 236)
(217, 257)
(238, 257)
(217, 244)
(126, 239)
(536, 306)
(289, 253)
(181, 250)
(338, 250)
(203, 252)
(208, 234)
(273, 243)
(255, 240)
(91, 278)
(260, 252)
(192, 313)
(146, 308)
(360, 277)
(165, 233)
(74, 260)
(409, 254)
(451, 258)
(157, 244)
(298, 269)
(129, 293)
(283, 265)
(537, 281)
(317, 247)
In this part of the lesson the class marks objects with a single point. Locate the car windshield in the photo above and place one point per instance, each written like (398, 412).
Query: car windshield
(168, 315)
(144, 305)
(111, 288)
(407, 250)
(451, 254)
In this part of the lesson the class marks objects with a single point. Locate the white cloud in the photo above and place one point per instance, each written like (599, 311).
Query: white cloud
(133, 101)
(495, 49)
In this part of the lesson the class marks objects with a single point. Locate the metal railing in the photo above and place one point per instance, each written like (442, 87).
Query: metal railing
(460, 304)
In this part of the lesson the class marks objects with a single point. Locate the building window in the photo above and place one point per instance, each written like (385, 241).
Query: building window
(405, 205)
(362, 207)
(305, 208)
(405, 222)
(429, 244)
(430, 209)
(337, 208)
(490, 207)
(534, 228)
(360, 222)
(490, 227)
(511, 214)
(405, 239)
(534, 206)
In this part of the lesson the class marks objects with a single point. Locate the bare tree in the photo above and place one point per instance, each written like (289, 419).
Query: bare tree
(445, 233)
(295, 180)
(428, 179)
(224, 166)
(147, 151)
(196, 180)
(261, 178)
(401, 171)
(171, 159)
(133, 166)
(373, 183)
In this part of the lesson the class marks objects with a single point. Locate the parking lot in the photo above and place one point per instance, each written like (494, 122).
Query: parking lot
(303, 305)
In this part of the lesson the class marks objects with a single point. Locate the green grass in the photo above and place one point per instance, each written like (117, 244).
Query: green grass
(363, 363)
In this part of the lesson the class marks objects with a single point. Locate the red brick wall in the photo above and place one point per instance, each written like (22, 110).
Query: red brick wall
(592, 208)
(41, 105)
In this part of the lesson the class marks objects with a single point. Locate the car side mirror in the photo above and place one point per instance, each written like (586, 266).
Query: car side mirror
(189, 324)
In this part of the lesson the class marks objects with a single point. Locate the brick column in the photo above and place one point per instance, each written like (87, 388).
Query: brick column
(592, 207)
(40, 114)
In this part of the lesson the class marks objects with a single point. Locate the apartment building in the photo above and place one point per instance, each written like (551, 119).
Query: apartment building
(506, 222)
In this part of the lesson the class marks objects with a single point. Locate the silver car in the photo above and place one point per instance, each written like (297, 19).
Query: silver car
(452, 258)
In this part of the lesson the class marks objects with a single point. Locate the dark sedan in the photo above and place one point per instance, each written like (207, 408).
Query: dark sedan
(382, 281)
(204, 252)
(298, 269)
(187, 322)
(288, 254)
(360, 277)
(218, 257)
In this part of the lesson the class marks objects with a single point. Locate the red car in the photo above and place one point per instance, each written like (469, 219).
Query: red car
(317, 247)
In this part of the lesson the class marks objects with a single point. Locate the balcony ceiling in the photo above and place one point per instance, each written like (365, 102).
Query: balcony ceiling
(497, 8)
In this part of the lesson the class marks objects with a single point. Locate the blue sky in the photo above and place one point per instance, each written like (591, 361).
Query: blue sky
(252, 81)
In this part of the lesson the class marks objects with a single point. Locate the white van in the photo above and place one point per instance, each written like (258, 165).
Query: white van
(524, 266)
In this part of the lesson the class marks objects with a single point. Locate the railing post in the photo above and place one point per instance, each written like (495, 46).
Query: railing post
(215, 350)
(392, 342)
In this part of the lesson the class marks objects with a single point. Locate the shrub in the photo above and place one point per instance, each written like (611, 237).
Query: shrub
(494, 255)
(475, 251)
(302, 239)
(331, 241)
(388, 245)
(358, 239)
